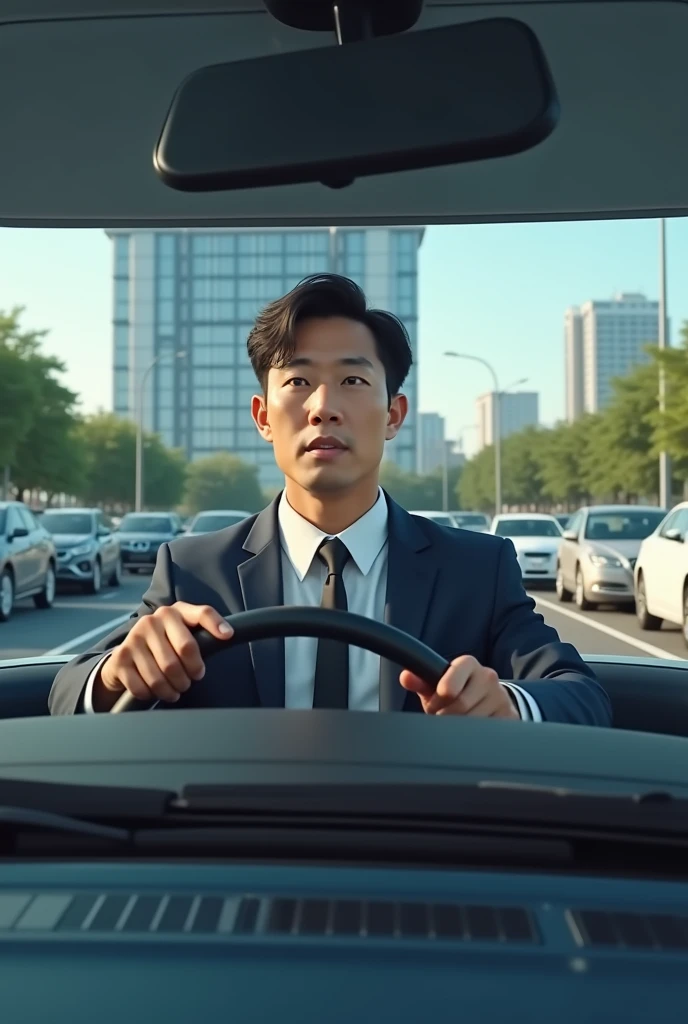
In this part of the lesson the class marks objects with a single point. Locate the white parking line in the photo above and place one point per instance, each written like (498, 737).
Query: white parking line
(654, 652)
(107, 597)
(105, 627)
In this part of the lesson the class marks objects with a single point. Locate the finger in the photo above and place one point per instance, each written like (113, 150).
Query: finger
(483, 708)
(410, 681)
(468, 698)
(166, 648)
(184, 646)
(206, 617)
(152, 675)
(452, 683)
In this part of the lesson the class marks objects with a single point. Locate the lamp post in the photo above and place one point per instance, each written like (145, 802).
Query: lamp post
(496, 421)
(664, 460)
(138, 499)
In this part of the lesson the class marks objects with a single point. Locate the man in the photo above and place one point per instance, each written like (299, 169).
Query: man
(330, 372)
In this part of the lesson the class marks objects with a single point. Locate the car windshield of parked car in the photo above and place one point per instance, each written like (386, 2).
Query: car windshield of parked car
(145, 524)
(463, 520)
(622, 526)
(527, 528)
(207, 524)
(67, 522)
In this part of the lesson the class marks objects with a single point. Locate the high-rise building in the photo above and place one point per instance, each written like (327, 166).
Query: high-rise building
(517, 410)
(604, 340)
(431, 442)
(573, 348)
(185, 301)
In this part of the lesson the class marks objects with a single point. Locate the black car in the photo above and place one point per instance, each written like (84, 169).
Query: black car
(142, 533)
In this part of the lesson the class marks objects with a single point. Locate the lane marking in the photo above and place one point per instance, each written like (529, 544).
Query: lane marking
(616, 634)
(105, 627)
(108, 597)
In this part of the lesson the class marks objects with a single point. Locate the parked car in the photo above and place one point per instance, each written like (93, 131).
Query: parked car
(88, 549)
(599, 551)
(27, 559)
(536, 537)
(661, 573)
(442, 518)
(563, 518)
(214, 519)
(478, 522)
(142, 533)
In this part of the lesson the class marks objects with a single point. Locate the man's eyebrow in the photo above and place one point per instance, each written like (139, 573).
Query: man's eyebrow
(345, 361)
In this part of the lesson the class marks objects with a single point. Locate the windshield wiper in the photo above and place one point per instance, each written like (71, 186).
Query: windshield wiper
(16, 819)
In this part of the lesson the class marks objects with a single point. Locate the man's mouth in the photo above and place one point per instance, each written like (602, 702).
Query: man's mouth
(326, 447)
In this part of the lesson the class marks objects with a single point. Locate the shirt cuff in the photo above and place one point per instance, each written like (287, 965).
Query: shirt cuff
(528, 707)
(90, 683)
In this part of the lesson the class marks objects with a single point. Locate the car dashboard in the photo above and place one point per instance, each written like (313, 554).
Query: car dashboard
(203, 942)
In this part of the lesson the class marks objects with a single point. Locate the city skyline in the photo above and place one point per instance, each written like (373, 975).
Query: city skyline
(498, 290)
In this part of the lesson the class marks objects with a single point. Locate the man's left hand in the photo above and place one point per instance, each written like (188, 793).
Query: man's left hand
(466, 688)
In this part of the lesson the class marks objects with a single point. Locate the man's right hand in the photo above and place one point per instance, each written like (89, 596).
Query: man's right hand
(159, 658)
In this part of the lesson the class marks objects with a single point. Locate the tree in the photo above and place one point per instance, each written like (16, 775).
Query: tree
(418, 491)
(110, 455)
(222, 481)
(561, 461)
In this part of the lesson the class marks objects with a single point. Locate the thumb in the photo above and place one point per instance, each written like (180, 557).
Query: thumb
(410, 681)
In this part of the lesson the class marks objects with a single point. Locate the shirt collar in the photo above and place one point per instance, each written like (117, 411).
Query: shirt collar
(364, 539)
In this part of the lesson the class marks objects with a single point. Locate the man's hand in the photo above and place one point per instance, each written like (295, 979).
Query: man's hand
(466, 688)
(159, 658)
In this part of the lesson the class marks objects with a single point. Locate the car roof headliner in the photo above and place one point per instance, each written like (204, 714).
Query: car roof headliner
(84, 85)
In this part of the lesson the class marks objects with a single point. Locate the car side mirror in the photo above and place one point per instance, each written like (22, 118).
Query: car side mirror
(21, 531)
(674, 535)
(570, 535)
(103, 531)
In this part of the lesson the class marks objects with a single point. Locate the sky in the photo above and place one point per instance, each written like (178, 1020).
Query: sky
(497, 291)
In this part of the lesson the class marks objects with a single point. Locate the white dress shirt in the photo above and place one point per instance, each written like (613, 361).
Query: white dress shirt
(365, 580)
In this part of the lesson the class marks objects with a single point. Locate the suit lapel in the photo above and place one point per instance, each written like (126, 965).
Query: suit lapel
(411, 573)
(260, 578)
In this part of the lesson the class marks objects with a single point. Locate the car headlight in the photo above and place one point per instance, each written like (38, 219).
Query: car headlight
(607, 561)
(82, 549)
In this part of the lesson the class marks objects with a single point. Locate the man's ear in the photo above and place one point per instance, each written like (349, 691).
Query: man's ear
(398, 408)
(259, 412)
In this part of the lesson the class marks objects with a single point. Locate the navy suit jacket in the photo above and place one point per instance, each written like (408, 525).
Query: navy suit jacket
(458, 592)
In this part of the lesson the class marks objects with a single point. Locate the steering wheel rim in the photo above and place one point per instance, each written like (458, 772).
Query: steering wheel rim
(356, 630)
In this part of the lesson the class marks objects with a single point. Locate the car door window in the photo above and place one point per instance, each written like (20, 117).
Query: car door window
(28, 521)
(575, 523)
(13, 520)
(678, 520)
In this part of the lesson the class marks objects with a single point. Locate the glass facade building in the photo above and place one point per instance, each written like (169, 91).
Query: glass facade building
(184, 302)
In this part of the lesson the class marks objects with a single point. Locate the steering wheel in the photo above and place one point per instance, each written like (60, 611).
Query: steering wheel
(356, 630)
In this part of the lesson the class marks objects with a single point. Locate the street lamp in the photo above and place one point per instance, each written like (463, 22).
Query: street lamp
(138, 500)
(496, 423)
(665, 495)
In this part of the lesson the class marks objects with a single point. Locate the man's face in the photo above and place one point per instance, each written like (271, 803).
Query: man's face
(327, 413)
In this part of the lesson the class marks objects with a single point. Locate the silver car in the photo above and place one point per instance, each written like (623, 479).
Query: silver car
(88, 549)
(599, 551)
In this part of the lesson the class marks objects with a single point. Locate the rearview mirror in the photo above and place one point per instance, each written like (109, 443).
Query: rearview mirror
(468, 92)
(570, 535)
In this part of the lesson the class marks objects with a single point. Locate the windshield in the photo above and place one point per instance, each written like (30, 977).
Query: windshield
(527, 528)
(67, 522)
(579, 423)
(206, 524)
(622, 526)
(145, 524)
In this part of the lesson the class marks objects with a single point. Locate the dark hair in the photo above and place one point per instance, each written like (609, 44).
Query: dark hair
(272, 340)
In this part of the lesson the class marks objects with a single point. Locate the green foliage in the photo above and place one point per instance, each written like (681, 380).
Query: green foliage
(222, 481)
(415, 491)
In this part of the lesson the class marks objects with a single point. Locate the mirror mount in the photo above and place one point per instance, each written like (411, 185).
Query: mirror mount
(351, 20)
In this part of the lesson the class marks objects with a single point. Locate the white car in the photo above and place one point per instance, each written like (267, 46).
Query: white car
(442, 518)
(661, 573)
(536, 537)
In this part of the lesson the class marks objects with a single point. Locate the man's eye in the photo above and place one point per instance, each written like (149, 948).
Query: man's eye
(300, 381)
(355, 380)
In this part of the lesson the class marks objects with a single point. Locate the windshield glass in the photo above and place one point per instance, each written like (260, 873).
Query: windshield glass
(206, 524)
(527, 528)
(145, 524)
(3, 522)
(579, 423)
(67, 522)
(622, 526)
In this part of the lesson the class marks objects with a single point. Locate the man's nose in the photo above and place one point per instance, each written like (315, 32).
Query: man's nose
(322, 407)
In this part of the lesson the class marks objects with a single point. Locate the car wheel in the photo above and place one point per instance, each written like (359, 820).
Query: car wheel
(685, 614)
(563, 594)
(96, 581)
(645, 619)
(6, 595)
(116, 575)
(47, 595)
(581, 600)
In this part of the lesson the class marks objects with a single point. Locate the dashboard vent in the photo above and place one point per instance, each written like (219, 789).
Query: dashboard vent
(602, 929)
(249, 915)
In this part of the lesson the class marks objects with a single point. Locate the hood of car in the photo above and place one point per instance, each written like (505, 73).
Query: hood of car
(542, 544)
(149, 538)
(72, 540)
(625, 548)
